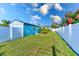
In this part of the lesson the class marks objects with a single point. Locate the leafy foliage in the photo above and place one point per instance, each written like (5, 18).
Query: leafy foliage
(44, 30)
(4, 23)
(70, 18)
(55, 25)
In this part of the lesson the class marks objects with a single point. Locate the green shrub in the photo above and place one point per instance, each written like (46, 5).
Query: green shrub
(44, 30)
(55, 25)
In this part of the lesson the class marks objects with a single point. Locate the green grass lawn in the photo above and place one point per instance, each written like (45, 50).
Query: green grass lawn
(36, 45)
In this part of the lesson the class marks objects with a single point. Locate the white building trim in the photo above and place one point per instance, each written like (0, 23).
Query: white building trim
(23, 30)
(17, 24)
(11, 37)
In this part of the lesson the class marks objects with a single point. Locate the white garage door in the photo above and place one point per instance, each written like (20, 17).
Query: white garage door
(16, 32)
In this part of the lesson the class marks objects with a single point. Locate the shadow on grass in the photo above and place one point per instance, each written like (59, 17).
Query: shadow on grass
(1, 53)
(54, 51)
(2, 45)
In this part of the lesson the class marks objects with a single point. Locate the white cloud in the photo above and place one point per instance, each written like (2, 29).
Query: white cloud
(44, 9)
(35, 4)
(50, 5)
(35, 19)
(28, 10)
(56, 19)
(36, 9)
(13, 4)
(2, 11)
(58, 7)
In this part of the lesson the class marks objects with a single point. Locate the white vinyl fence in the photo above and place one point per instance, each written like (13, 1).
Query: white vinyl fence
(4, 33)
(8, 33)
(70, 34)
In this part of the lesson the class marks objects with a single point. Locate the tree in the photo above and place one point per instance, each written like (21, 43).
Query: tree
(5, 23)
(55, 25)
(77, 12)
(44, 30)
(64, 22)
(69, 21)
(70, 18)
(68, 15)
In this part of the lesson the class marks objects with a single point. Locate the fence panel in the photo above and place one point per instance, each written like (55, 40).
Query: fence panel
(4, 34)
(71, 36)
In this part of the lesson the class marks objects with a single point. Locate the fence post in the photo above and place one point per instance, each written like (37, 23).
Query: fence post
(22, 30)
(11, 33)
(70, 33)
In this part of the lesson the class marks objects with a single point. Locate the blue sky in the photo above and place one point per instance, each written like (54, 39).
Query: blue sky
(36, 13)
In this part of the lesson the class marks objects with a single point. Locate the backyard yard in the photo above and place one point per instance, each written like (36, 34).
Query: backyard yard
(49, 44)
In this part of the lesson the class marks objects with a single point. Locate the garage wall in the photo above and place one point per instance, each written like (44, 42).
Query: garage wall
(31, 30)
